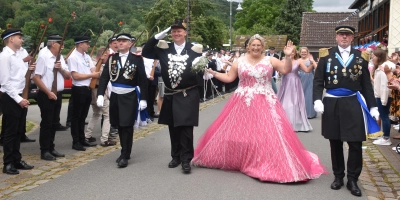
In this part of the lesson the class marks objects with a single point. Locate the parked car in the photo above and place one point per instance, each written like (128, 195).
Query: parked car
(33, 91)
(67, 86)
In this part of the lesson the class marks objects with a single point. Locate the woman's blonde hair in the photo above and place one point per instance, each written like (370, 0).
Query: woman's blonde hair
(305, 48)
(257, 37)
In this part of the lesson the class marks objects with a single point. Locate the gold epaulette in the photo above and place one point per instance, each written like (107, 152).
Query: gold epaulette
(198, 48)
(323, 52)
(365, 55)
(162, 44)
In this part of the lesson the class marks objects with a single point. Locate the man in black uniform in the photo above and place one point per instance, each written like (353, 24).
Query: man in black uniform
(180, 109)
(14, 107)
(343, 71)
(128, 79)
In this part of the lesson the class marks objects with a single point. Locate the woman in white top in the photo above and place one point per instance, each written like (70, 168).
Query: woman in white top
(382, 94)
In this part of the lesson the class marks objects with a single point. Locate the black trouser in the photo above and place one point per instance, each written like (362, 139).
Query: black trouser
(13, 127)
(354, 160)
(181, 143)
(70, 108)
(201, 91)
(81, 99)
(126, 140)
(50, 113)
(58, 109)
(219, 83)
(151, 97)
(210, 88)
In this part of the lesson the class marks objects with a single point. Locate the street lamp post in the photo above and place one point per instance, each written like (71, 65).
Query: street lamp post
(239, 8)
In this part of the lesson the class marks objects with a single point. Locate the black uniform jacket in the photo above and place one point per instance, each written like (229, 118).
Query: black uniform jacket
(123, 107)
(343, 118)
(177, 109)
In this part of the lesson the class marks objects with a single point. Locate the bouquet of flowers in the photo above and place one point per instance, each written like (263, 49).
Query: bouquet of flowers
(199, 64)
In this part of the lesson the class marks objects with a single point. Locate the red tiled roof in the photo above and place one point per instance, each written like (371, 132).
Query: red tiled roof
(314, 34)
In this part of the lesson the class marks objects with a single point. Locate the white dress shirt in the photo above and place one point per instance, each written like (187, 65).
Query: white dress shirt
(22, 53)
(44, 68)
(81, 63)
(345, 53)
(42, 51)
(220, 64)
(179, 48)
(148, 66)
(12, 76)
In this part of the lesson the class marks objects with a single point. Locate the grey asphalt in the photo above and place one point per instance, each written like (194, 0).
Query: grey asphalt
(148, 177)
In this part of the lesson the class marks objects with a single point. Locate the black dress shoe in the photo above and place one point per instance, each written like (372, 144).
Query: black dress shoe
(10, 169)
(22, 165)
(56, 154)
(123, 162)
(26, 139)
(62, 128)
(337, 183)
(47, 156)
(353, 187)
(156, 115)
(91, 139)
(78, 147)
(119, 159)
(88, 144)
(186, 167)
(68, 124)
(174, 163)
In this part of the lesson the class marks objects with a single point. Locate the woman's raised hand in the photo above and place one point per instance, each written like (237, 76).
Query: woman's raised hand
(288, 48)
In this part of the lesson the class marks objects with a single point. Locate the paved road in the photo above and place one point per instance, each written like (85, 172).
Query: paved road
(148, 177)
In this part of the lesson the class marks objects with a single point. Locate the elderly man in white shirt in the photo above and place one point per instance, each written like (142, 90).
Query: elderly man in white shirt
(47, 100)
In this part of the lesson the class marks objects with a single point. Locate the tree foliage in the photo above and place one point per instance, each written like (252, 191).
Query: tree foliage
(258, 16)
(290, 19)
(204, 29)
(209, 18)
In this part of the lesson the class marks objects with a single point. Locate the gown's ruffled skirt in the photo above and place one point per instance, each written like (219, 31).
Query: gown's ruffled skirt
(255, 137)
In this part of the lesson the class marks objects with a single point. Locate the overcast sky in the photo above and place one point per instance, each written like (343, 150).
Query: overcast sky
(332, 5)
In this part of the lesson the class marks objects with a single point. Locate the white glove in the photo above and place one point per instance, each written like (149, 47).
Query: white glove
(318, 106)
(374, 112)
(162, 35)
(100, 101)
(142, 105)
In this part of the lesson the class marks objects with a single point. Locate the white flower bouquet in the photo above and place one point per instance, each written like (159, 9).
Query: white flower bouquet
(199, 64)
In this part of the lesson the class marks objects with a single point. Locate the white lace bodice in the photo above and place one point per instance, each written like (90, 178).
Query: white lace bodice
(255, 80)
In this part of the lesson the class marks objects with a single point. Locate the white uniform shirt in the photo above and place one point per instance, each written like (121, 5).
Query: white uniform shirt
(81, 63)
(12, 76)
(345, 53)
(44, 68)
(179, 48)
(42, 51)
(220, 64)
(22, 53)
(148, 66)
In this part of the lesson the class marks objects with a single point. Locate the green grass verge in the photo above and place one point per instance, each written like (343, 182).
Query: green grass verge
(29, 125)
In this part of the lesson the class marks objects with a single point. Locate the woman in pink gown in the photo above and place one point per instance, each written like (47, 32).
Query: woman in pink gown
(252, 134)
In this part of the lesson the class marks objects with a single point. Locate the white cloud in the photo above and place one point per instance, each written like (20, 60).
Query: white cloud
(332, 5)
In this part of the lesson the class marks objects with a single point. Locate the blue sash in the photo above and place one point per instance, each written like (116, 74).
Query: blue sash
(373, 127)
(121, 85)
(144, 115)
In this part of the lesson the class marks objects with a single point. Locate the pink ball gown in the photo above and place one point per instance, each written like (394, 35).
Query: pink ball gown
(253, 135)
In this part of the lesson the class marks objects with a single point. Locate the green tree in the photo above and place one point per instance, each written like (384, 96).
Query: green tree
(257, 16)
(290, 19)
(204, 29)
